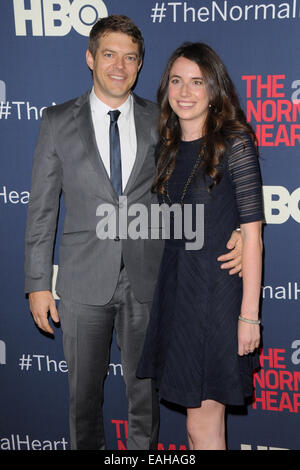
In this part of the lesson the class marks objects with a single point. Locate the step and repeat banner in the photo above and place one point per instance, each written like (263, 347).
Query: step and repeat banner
(42, 56)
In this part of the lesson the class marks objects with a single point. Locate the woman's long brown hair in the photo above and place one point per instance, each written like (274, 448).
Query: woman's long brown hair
(225, 118)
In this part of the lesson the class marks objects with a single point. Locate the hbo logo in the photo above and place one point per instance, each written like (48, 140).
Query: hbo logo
(57, 17)
(280, 204)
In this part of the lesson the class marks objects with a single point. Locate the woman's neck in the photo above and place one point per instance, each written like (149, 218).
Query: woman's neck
(190, 132)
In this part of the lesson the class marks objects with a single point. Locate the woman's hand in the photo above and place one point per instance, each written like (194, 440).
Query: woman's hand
(248, 337)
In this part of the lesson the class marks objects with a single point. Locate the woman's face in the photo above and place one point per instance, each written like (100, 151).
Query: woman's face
(188, 96)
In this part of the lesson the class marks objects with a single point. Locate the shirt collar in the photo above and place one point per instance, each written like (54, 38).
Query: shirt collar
(102, 109)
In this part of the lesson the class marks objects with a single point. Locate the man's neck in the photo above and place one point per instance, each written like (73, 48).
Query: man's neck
(112, 102)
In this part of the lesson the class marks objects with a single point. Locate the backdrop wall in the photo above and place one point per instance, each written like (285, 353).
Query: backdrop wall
(42, 58)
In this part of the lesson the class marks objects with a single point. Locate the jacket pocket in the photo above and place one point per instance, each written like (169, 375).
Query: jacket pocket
(75, 238)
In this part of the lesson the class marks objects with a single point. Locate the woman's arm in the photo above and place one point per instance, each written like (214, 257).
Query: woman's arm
(249, 333)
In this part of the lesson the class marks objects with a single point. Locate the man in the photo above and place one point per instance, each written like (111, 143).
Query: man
(93, 154)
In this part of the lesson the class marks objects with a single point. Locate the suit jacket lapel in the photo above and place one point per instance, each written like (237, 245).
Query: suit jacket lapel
(141, 117)
(83, 117)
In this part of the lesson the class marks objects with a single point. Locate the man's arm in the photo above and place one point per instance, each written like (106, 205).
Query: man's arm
(233, 259)
(41, 226)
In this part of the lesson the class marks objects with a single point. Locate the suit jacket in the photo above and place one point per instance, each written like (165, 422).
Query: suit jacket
(67, 161)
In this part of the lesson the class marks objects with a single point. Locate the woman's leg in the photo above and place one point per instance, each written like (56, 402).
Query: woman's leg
(206, 426)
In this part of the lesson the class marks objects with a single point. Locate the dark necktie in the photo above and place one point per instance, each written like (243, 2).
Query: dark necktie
(115, 152)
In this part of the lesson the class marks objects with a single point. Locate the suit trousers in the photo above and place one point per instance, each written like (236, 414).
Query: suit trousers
(87, 335)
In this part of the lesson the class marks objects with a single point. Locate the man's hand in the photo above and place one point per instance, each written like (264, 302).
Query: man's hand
(41, 303)
(233, 259)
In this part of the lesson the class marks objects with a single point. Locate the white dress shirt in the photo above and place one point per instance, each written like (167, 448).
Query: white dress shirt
(126, 125)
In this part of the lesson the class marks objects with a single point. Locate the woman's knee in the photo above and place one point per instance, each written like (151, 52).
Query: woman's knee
(207, 422)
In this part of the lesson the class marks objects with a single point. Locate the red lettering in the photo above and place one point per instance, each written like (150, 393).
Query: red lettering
(295, 136)
(172, 447)
(272, 85)
(261, 86)
(268, 358)
(282, 136)
(276, 86)
(272, 111)
(286, 378)
(272, 106)
(118, 422)
(272, 376)
(262, 135)
(296, 402)
(296, 380)
(258, 134)
(285, 403)
(284, 108)
(273, 358)
(265, 400)
(126, 428)
(268, 136)
(277, 359)
(296, 110)
(248, 79)
(253, 110)
(259, 379)
(274, 379)
(121, 446)
(261, 400)
(271, 400)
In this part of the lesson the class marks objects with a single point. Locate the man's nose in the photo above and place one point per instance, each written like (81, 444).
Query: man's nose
(119, 62)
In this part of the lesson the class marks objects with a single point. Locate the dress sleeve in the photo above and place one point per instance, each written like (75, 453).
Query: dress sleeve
(246, 179)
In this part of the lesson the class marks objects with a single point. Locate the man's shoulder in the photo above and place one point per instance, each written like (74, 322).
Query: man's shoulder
(145, 103)
(67, 106)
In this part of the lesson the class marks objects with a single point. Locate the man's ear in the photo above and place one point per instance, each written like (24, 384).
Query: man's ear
(140, 65)
(89, 60)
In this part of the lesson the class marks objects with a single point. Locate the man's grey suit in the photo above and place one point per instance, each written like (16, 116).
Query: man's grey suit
(67, 161)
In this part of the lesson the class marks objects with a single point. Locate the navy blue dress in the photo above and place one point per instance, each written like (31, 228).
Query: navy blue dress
(191, 343)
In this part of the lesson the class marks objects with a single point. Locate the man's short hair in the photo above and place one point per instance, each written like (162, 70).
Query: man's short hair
(116, 24)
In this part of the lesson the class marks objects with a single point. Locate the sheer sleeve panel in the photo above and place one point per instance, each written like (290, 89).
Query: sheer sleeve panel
(246, 179)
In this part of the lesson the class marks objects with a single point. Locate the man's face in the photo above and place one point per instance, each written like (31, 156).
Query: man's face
(115, 67)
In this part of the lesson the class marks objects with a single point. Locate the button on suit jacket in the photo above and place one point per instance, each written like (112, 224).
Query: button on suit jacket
(67, 162)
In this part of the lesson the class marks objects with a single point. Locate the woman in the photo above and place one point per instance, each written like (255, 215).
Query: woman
(204, 330)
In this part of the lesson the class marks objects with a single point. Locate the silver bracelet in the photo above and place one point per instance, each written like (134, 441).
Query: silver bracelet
(247, 320)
